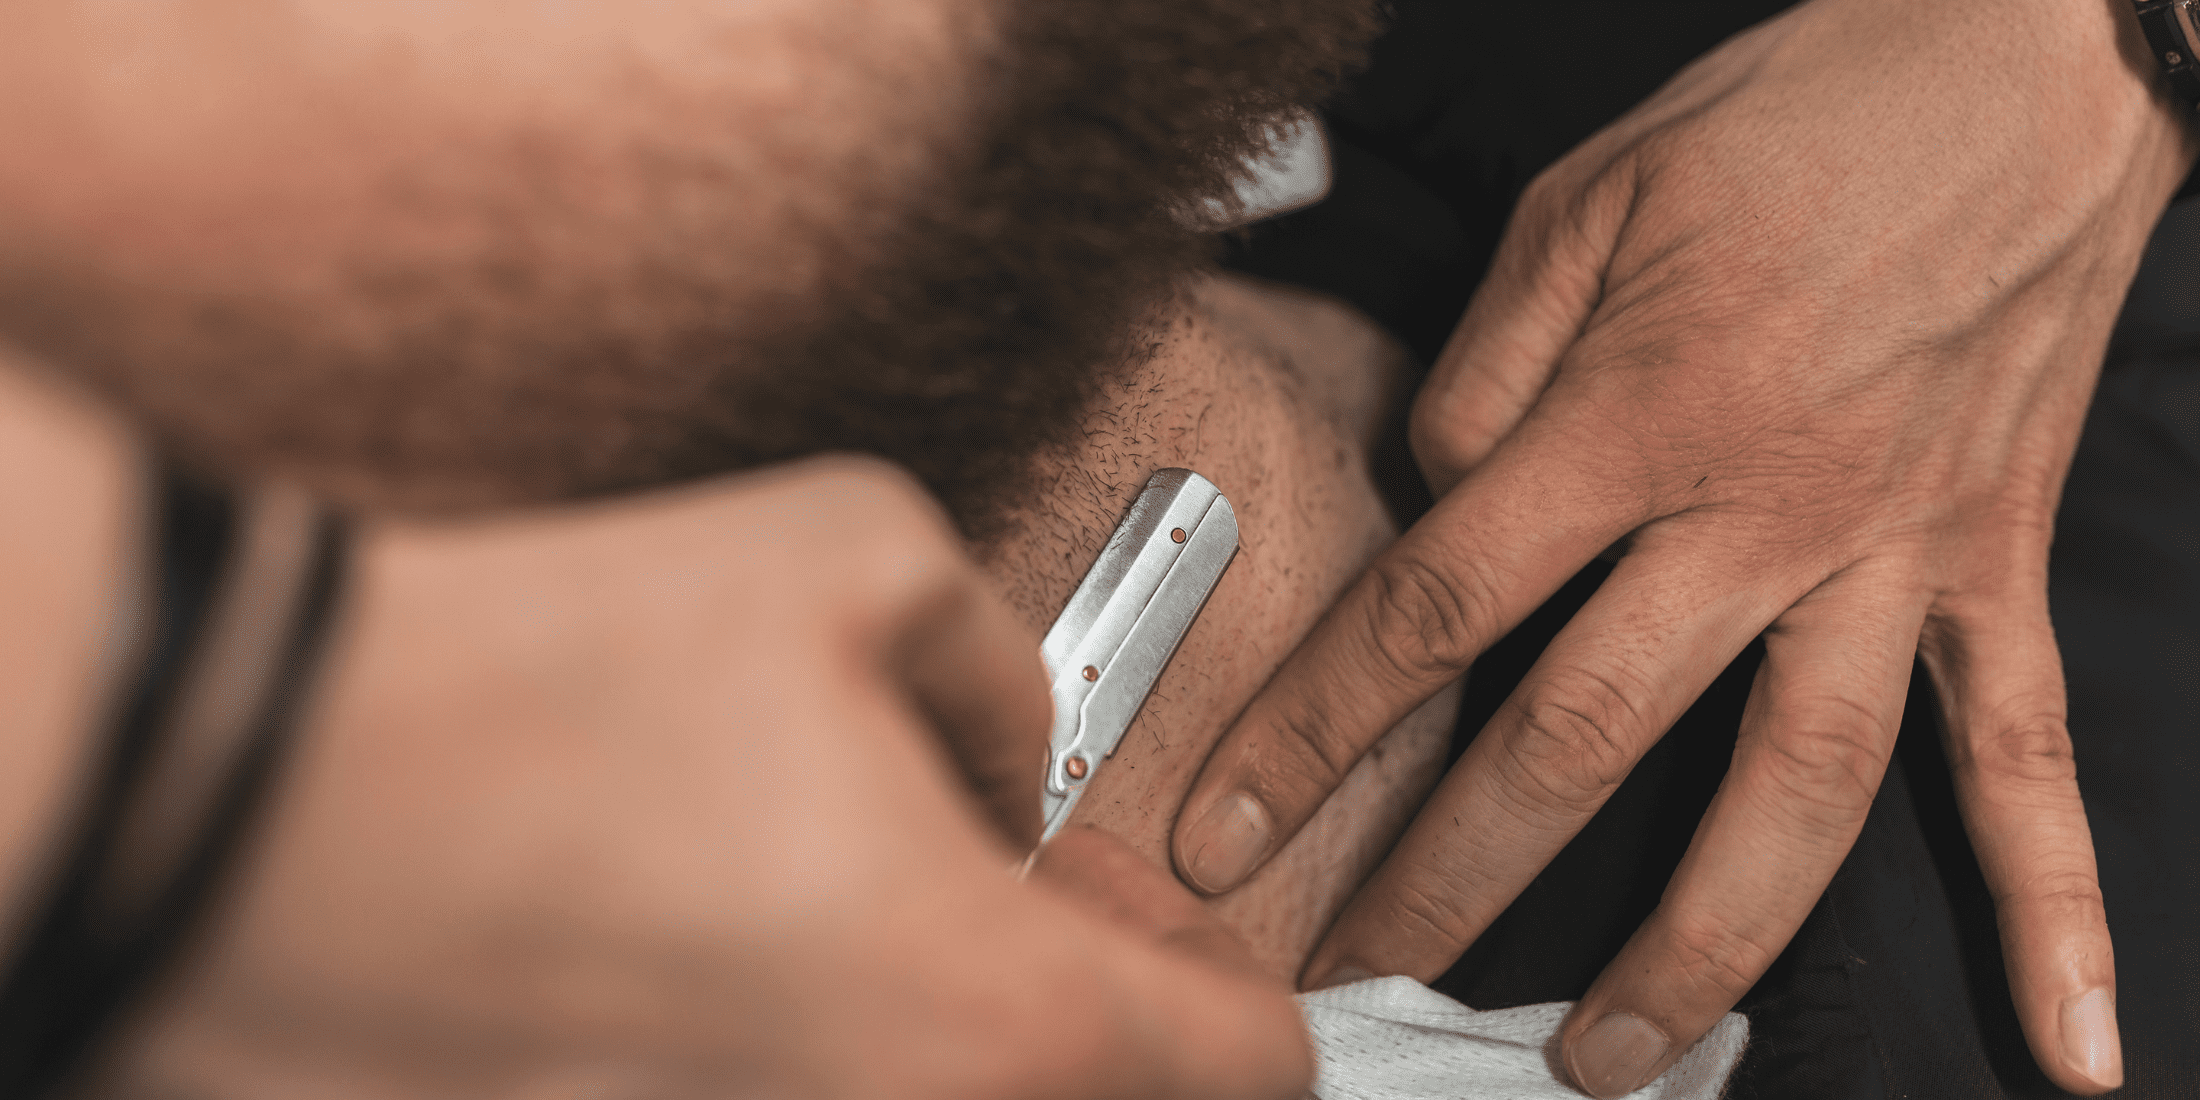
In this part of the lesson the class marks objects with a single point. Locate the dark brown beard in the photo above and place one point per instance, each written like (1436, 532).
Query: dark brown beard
(965, 341)
(1015, 298)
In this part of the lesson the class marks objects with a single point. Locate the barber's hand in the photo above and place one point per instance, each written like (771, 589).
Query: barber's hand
(1810, 335)
(716, 793)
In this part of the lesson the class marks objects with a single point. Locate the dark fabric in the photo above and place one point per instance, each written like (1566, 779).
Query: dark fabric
(2126, 601)
(1893, 988)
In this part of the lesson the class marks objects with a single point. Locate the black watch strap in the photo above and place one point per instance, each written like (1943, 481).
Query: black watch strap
(241, 594)
(2172, 28)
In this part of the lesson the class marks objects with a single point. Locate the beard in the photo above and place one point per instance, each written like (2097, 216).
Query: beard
(960, 334)
(1016, 296)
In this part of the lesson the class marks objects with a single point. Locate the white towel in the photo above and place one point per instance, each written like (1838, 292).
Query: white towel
(1290, 173)
(1396, 1039)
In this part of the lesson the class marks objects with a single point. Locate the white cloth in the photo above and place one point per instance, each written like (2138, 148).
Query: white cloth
(1291, 172)
(1396, 1039)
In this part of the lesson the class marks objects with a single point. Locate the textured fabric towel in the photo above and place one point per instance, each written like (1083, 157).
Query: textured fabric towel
(1396, 1039)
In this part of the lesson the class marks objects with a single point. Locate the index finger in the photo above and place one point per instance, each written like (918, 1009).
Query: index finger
(910, 595)
(1489, 553)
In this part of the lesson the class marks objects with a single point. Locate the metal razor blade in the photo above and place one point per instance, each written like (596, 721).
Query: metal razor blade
(1125, 622)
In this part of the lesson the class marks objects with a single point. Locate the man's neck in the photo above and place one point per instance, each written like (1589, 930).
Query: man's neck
(1274, 396)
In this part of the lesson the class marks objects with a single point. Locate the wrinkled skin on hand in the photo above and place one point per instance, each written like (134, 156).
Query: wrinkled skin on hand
(1808, 338)
(703, 794)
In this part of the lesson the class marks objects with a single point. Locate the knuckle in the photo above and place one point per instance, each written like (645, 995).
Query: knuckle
(2031, 750)
(887, 502)
(1426, 622)
(892, 587)
(1310, 756)
(1423, 912)
(2062, 895)
(1545, 196)
(1572, 739)
(1550, 225)
(1719, 960)
(1829, 762)
(888, 543)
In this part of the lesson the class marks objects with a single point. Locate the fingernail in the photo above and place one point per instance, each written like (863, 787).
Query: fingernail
(1343, 975)
(1226, 843)
(1615, 1056)
(2089, 1039)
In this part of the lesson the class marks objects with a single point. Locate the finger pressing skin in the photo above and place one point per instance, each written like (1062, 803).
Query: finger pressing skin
(1475, 566)
(913, 598)
(2009, 748)
(1659, 630)
(1194, 1016)
(1544, 282)
(1814, 743)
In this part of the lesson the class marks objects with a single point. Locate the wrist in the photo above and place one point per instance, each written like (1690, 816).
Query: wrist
(2106, 110)
(2160, 38)
(2079, 107)
(2134, 88)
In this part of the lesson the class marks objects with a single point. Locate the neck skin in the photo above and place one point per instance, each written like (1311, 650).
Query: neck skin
(1276, 396)
(70, 493)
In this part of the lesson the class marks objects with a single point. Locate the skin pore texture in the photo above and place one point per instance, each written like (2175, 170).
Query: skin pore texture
(1275, 395)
